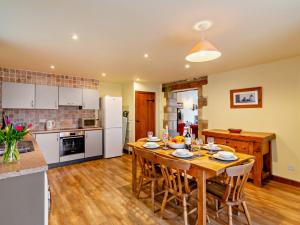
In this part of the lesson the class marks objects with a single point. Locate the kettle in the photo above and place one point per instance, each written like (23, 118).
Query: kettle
(50, 124)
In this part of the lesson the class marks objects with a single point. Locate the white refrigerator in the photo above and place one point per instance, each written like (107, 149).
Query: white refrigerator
(112, 124)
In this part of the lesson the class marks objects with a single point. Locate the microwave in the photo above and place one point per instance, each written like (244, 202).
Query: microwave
(88, 122)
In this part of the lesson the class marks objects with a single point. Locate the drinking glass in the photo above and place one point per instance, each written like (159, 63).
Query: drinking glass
(210, 142)
(150, 134)
(165, 139)
(199, 141)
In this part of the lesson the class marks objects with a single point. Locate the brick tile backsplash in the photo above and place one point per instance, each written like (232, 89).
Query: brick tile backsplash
(65, 116)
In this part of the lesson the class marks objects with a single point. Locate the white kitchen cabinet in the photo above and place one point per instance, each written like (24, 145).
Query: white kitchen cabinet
(49, 145)
(93, 143)
(90, 99)
(18, 95)
(70, 96)
(46, 97)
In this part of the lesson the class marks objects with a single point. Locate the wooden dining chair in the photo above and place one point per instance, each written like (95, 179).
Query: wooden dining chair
(223, 176)
(150, 173)
(177, 184)
(231, 193)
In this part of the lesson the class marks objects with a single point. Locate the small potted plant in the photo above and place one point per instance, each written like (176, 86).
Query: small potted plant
(10, 136)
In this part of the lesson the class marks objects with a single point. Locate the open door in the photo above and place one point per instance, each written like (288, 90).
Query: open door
(144, 113)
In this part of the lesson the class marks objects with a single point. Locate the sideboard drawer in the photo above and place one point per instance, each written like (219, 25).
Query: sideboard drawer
(220, 141)
(239, 146)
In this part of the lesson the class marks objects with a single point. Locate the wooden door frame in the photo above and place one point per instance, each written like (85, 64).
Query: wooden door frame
(144, 92)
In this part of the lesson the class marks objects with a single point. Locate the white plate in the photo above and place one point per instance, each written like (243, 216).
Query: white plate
(150, 146)
(216, 156)
(153, 140)
(190, 154)
(215, 148)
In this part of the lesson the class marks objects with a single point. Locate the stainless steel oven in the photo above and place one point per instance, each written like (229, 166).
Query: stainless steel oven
(71, 145)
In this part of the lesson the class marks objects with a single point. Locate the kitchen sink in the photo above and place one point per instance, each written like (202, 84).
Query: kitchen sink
(23, 147)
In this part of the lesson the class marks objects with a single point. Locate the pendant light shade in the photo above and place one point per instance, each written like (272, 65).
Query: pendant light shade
(202, 52)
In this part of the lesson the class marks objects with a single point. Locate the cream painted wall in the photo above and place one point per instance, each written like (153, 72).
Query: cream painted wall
(128, 95)
(280, 113)
(112, 89)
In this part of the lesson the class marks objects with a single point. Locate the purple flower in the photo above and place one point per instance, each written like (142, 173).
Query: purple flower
(7, 121)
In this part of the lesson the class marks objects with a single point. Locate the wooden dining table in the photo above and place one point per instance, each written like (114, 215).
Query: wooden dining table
(202, 167)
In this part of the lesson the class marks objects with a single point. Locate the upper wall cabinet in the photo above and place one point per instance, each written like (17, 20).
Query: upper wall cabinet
(90, 99)
(70, 96)
(17, 95)
(46, 97)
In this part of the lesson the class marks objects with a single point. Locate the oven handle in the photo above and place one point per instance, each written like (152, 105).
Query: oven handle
(72, 137)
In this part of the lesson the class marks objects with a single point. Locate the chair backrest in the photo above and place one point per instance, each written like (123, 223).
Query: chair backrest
(147, 161)
(175, 175)
(237, 178)
(142, 140)
(227, 148)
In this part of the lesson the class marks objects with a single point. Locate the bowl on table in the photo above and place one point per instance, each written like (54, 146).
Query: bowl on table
(182, 153)
(176, 145)
(211, 147)
(224, 155)
(151, 145)
(153, 139)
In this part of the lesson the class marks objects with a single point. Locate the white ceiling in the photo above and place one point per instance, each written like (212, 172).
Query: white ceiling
(115, 34)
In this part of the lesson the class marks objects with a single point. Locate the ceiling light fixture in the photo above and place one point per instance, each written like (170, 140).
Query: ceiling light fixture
(204, 50)
(75, 37)
(146, 56)
(187, 66)
(103, 74)
(137, 79)
(52, 67)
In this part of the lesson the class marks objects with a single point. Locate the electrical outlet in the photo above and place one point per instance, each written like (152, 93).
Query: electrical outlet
(291, 168)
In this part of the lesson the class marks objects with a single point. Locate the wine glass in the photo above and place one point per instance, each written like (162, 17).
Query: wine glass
(199, 141)
(165, 139)
(150, 134)
(210, 142)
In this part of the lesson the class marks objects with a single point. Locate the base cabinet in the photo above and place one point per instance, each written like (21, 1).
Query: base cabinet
(93, 143)
(49, 145)
(252, 143)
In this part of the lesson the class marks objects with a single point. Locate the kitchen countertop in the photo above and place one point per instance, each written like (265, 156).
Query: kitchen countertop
(29, 163)
(57, 130)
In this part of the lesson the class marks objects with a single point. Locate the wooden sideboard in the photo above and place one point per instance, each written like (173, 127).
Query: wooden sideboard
(252, 143)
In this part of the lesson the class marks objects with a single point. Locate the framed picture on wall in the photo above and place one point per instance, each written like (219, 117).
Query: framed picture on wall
(246, 98)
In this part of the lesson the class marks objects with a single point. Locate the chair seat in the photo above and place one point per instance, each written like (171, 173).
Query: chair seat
(216, 189)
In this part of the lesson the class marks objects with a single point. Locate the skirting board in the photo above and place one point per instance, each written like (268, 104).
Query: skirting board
(286, 181)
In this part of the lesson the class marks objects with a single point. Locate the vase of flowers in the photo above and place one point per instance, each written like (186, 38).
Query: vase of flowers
(10, 136)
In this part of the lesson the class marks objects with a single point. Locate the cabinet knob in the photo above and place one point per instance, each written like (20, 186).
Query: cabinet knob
(32, 103)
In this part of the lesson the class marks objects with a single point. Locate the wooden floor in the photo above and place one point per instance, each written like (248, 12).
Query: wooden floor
(99, 192)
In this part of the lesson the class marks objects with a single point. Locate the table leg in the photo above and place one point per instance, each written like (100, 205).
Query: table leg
(134, 171)
(201, 186)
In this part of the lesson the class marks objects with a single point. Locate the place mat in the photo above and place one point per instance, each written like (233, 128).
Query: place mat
(223, 161)
(195, 156)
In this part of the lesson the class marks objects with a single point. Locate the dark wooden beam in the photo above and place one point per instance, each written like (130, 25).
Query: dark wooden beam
(183, 85)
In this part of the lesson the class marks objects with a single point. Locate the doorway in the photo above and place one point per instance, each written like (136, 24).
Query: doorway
(187, 111)
(144, 113)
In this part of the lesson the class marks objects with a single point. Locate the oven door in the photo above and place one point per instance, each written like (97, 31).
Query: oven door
(71, 145)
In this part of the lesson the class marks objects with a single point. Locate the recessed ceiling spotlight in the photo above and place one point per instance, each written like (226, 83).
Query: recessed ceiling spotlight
(146, 56)
(103, 74)
(52, 67)
(137, 79)
(187, 66)
(74, 36)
